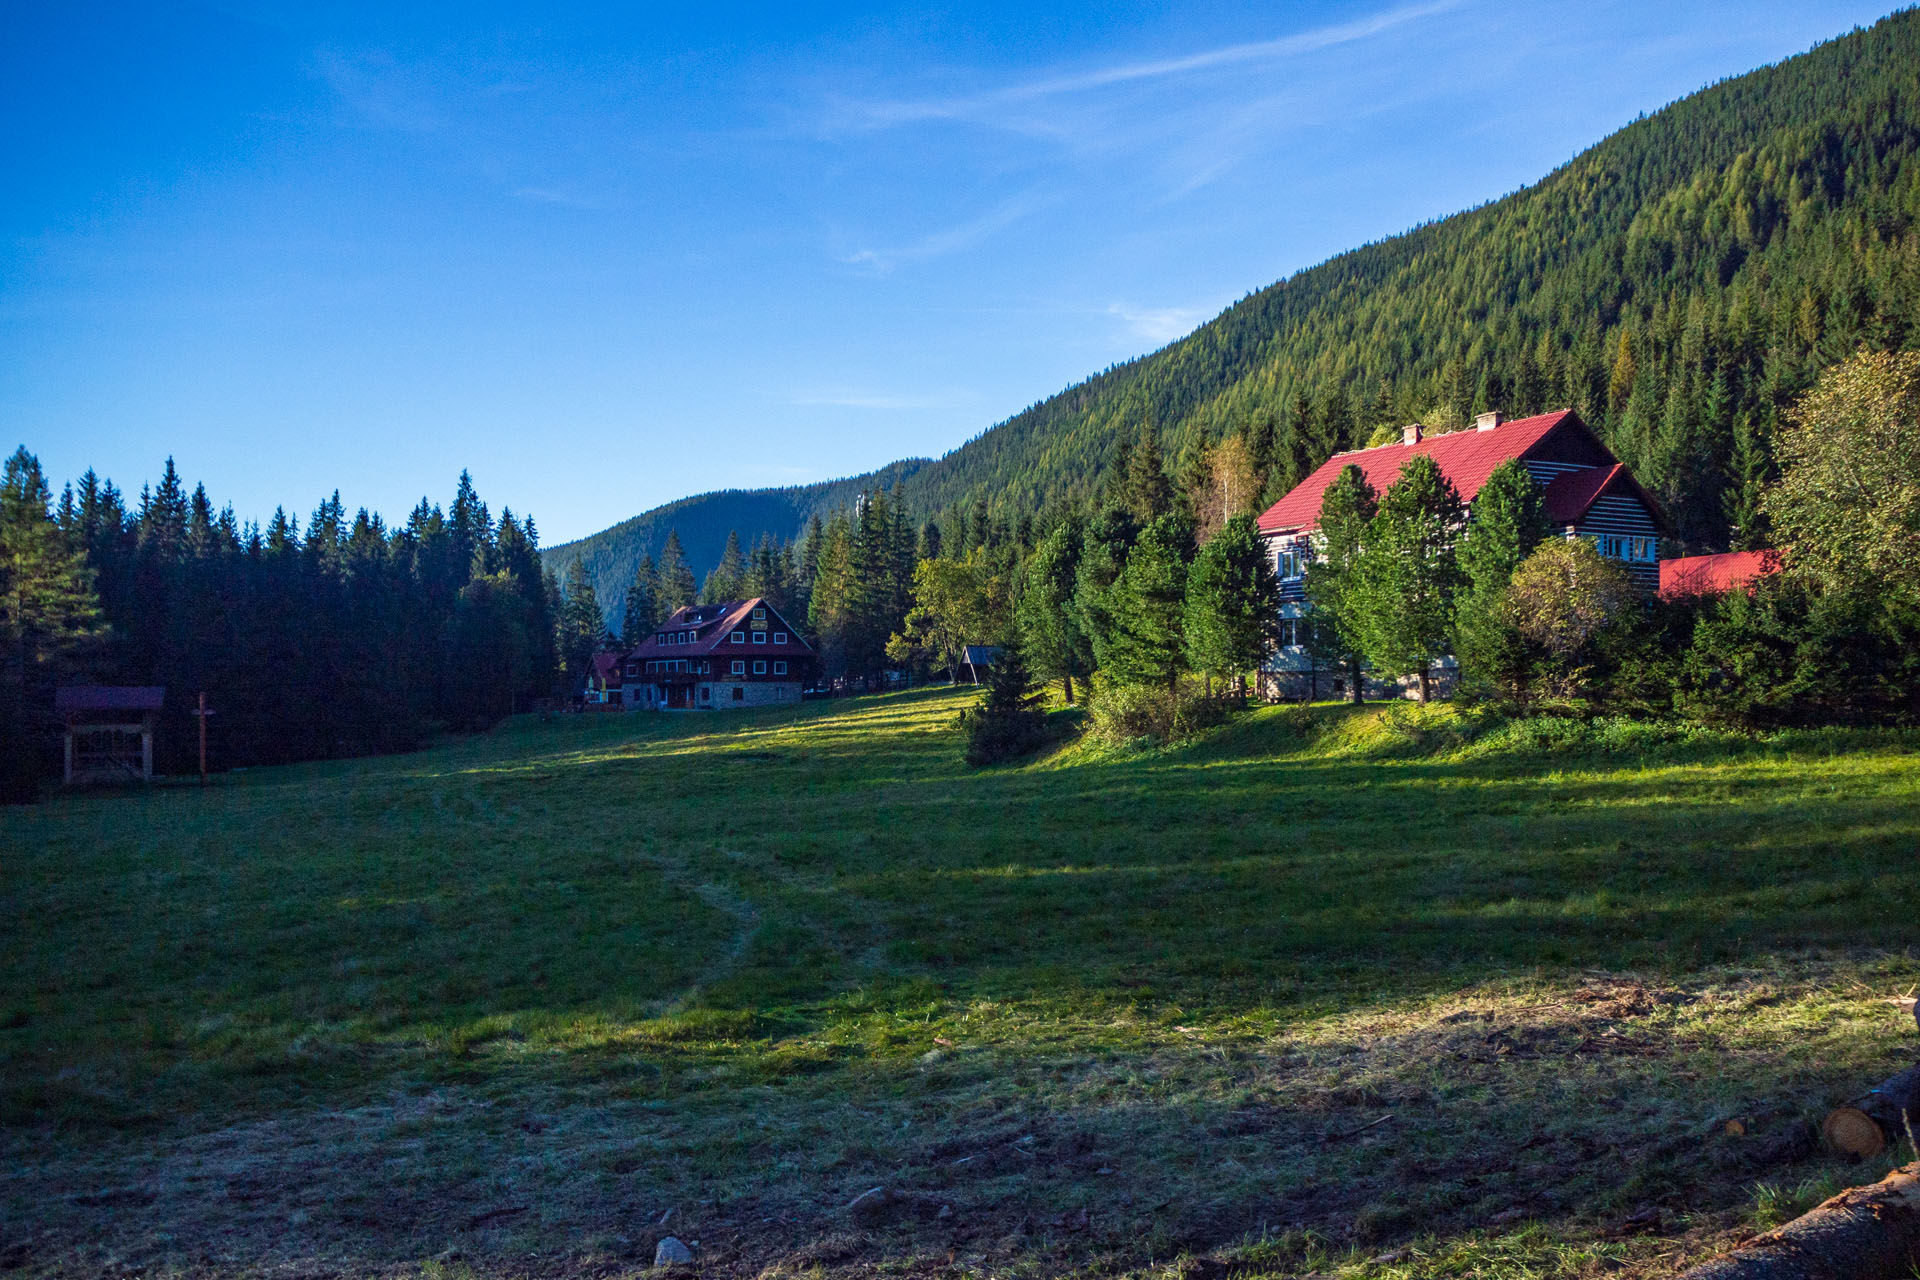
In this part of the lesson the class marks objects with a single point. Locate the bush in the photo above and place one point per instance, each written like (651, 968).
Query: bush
(1153, 715)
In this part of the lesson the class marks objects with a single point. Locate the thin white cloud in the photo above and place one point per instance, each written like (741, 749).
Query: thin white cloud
(948, 241)
(854, 399)
(1158, 325)
(983, 106)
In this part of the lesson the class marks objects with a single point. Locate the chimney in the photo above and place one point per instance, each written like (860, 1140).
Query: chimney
(1487, 421)
(1410, 434)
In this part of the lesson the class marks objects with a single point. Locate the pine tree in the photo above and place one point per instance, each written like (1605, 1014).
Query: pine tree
(1232, 617)
(1146, 644)
(728, 580)
(581, 624)
(638, 618)
(1337, 632)
(1507, 522)
(1049, 626)
(1009, 721)
(1147, 492)
(49, 617)
(675, 578)
(1408, 573)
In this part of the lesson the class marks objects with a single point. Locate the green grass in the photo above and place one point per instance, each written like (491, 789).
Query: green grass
(522, 995)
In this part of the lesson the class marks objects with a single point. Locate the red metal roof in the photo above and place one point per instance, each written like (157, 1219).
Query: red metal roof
(109, 697)
(1714, 575)
(1466, 458)
(1569, 496)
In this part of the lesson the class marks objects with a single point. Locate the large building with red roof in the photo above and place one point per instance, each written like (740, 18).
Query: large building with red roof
(716, 657)
(1588, 492)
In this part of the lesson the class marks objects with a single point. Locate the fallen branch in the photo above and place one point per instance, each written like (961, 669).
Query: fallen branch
(1354, 1133)
(1876, 1120)
(1868, 1233)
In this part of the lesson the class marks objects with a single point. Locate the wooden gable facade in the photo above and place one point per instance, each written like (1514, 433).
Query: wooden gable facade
(1588, 493)
(718, 657)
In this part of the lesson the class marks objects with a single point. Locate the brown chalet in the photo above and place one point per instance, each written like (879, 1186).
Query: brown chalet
(715, 657)
(1588, 492)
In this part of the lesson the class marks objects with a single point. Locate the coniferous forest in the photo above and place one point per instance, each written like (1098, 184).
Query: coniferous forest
(1682, 285)
(1679, 284)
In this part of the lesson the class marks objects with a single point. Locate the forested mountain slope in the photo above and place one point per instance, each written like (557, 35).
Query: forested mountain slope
(1678, 283)
(704, 521)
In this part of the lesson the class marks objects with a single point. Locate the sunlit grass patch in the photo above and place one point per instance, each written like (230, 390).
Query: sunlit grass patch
(1328, 982)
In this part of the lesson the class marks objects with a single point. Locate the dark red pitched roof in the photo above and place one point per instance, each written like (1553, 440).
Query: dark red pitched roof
(606, 667)
(1714, 575)
(109, 697)
(1466, 458)
(1570, 496)
(714, 624)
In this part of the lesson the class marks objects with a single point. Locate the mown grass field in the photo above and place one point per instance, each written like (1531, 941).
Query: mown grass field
(1325, 993)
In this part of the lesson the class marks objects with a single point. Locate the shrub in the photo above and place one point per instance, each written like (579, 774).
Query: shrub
(1136, 714)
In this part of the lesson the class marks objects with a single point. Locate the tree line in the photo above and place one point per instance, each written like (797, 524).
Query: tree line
(342, 637)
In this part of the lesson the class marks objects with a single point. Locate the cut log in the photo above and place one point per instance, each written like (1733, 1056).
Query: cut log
(1875, 1121)
(1868, 1233)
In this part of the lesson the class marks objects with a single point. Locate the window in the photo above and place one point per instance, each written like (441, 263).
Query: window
(739, 666)
(779, 637)
(739, 694)
(633, 668)
(759, 637)
(1289, 632)
(779, 668)
(739, 637)
(760, 614)
(760, 666)
(1616, 546)
(1289, 561)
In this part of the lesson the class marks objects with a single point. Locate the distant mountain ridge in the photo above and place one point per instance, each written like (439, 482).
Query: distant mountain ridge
(704, 521)
(1678, 283)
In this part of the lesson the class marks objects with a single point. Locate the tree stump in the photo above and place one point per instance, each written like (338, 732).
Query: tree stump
(1876, 1120)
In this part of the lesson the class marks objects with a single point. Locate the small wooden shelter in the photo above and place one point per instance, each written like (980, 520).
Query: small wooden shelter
(978, 659)
(109, 731)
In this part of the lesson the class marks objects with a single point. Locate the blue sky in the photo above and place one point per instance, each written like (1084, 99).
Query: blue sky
(615, 257)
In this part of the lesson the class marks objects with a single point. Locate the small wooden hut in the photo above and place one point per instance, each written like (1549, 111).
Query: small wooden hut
(109, 731)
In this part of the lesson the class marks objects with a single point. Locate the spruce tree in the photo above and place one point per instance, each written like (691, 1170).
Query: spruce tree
(1009, 721)
(675, 578)
(581, 623)
(49, 617)
(1049, 626)
(728, 579)
(1232, 618)
(1409, 573)
(638, 618)
(1146, 644)
(1336, 631)
(1507, 522)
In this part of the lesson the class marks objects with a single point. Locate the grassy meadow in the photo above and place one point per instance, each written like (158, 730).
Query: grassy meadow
(1331, 991)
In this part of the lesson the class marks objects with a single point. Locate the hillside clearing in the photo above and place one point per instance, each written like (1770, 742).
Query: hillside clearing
(1338, 992)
